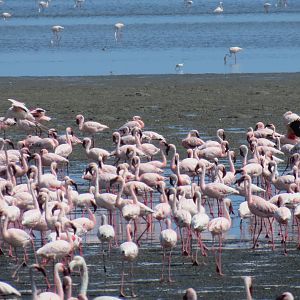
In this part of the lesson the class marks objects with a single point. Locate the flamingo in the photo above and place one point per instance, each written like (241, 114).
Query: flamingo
(118, 30)
(94, 154)
(78, 3)
(234, 51)
(219, 8)
(90, 127)
(17, 238)
(283, 215)
(121, 152)
(248, 286)
(182, 219)
(190, 294)
(179, 67)
(65, 150)
(6, 290)
(59, 267)
(6, 16)
(105, 233)
(148, 149)
(217, 227)
(267, 6)
(168, 241)
(135, 122)
(79, 261)
(199, 224)
(216, 190)
(56, 29)
(259, 207)
(129, 252)
(192, 140)
(43, 5)
(57, 249)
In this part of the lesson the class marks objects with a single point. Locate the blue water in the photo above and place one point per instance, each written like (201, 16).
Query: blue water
(157, 35)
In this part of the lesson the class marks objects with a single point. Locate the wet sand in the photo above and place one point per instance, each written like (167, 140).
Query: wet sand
(171, 105)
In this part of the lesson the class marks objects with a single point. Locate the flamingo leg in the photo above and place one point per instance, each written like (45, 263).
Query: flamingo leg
(163, 266)
(219, 264)
(258, 234)
(169, 265)
(122, 294)
(133, 295)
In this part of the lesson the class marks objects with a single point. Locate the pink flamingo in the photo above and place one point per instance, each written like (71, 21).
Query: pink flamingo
(259, 207)
(90, 127)
(6, 290)
(199, 224)
(192, 140)
(129, 252)
(217, 227)
(94, 153)
(65, 150)
(168, 241)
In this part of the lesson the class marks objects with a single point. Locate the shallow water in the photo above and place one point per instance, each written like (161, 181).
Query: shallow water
(157, 35)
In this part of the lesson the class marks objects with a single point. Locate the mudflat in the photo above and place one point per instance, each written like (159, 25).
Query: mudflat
(171, 105)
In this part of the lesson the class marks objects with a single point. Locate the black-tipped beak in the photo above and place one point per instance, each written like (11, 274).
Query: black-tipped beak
(94, 206)
(77, 121)
(242, 153)
(75, 185)
(167, 149)
(10, 143)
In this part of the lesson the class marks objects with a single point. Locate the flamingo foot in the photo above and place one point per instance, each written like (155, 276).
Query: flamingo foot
(219, 271)
(133, 295)
(170, 280)
(161, 279)
(195, 263)
(122, 294)
(185, 253)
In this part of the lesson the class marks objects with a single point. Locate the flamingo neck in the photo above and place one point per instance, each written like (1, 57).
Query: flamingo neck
(57, 282)
(245, 156)
(137, 170)
(119, 195)
(68, 138)
(172, 162)
(92, 216)
(128, 229)
(133, 194)
(33, 286)
(226, 213)
(81, 121)
(84, 279)
(248, 189)
(97, 194)
(231, 165)
(35, 202)
(202, 179)
(4, 229)
(39, 168)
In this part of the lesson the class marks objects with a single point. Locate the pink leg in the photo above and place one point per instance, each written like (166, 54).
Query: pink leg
(169, 264)
(163, 266)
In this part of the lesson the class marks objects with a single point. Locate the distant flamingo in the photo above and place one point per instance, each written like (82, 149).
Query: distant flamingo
(78, 3)
(118, 30)
(267, 6)
(43, 5)
(234, 51)
(56, 29)
(219, 8)
(6, 15)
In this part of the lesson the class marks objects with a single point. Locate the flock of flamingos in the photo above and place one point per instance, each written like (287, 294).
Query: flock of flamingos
(37, 195)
